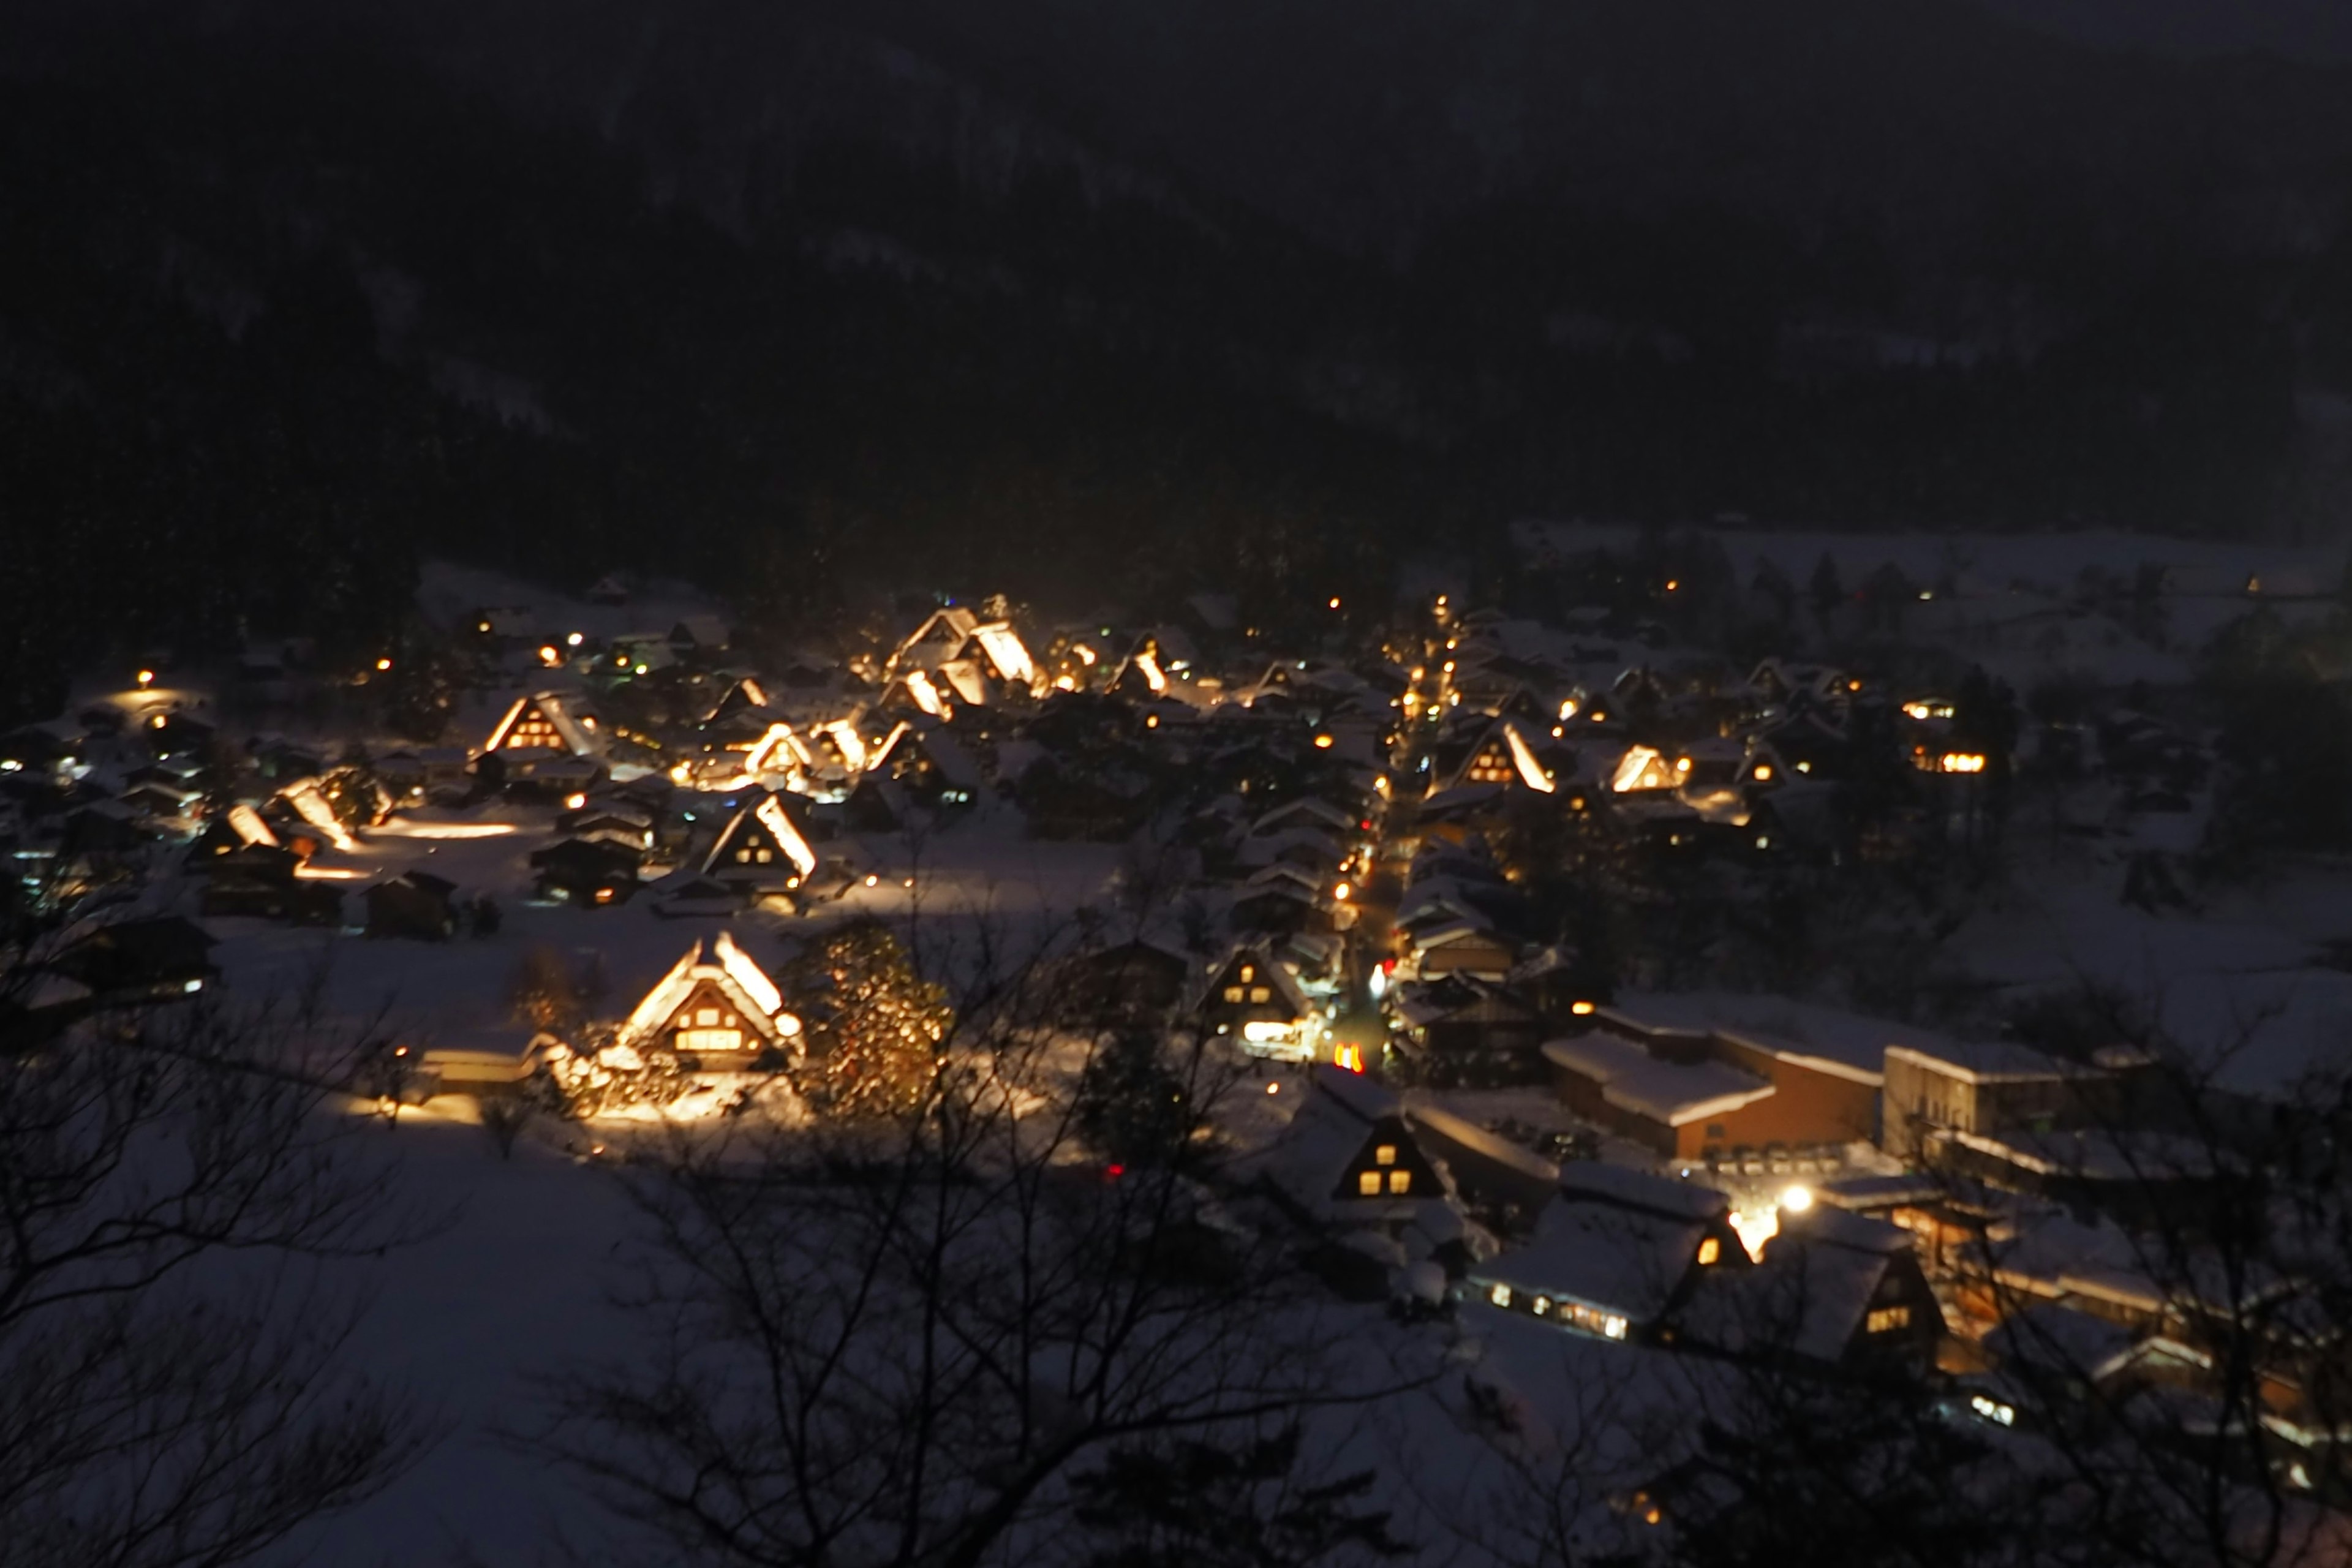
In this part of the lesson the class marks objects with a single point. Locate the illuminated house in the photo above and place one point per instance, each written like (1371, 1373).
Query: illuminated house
(1350, 1156)
(1254, 996)
(1615, 1254)
(715, 1007)
(975, 660)
(761, 852)
(928, 765)
(545, 722)
(1504, 756)
(1833, 1288)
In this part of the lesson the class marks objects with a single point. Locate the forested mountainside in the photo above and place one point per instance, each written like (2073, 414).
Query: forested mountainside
(1076, 300)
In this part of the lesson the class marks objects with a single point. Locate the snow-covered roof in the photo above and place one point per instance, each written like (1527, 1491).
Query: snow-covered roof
(717, 961)
(1675, 1093)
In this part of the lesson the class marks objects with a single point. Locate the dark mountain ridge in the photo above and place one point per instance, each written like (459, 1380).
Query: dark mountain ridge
(1081, 299)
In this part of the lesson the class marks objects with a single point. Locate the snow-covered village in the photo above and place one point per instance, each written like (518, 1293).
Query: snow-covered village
(1553, 1077)
(1252, 783)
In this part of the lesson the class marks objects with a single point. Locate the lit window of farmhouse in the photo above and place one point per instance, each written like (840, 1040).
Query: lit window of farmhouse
(1233, 993)
(1708, 1251)
(706, 1016)
(1400, 1181)
(1886, 1319)
(1260, 994)
(1385, 1154)
(1368, 1183)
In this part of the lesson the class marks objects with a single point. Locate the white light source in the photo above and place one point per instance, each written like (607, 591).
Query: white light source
(1797, 1199)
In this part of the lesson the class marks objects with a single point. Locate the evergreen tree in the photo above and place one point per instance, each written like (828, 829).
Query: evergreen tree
(1131, 1105)
(875, 1027)
(1827, 587)
(1198, 1505)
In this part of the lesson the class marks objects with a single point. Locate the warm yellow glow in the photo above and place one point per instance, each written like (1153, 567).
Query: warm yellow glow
(1682, 764)
(1581, 1009)
(1709, 1250)
(1323, 743)
(1065, 683)
(549, 654)
(1151, 721)
(1348, 1057)
(1755, 1229)
(1274, 1089)
(1335, 601)
(397, 829)
(1764, 772)
(328, 873)
(1085, 654)
(1963, 762)
(1797, 1199)
(574, 802)
(1342, 892)
(146, 678)
(1917, 710)
(575, 640)
(1152, 674)
(871, 880)
(482, 626)
(383, 663)
(1673, 584)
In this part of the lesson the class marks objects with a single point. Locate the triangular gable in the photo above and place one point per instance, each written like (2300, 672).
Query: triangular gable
(718, 980)
(1249, 971)
(760, 834)
(1388, 1164)
(542, 721)
(943, 635)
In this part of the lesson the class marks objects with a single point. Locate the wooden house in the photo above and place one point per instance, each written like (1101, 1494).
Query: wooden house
(1137, 980)
(1251, 994)
(259, 881)
(415, 904)
(700, 636)
(1351, 1156)
(1461, 1030)
(589, 872)
(1504, 756)
(762, 851)
(715, 1009)
(1833, 1288)
(1616, 1254)
(546, 721)
(132, 962)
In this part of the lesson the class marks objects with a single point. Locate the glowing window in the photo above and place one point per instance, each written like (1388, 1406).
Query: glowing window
(1368, 1183)
(1886, 1319)
(700, 1041)
(765, 855)
(1260, 994)
(744, 855)
(1543, 1306)
(1708, 1251)
(1500, 1295)
(1400, 1181)
(1233, 993)
(1249, 972)
(1385, 1154)
(706, 1016)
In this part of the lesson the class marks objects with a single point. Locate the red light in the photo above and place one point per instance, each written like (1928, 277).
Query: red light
(1114, 1172)
(1366, 825)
